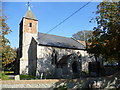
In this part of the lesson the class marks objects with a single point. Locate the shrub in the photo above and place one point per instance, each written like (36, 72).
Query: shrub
(63, 87)
(3, 76)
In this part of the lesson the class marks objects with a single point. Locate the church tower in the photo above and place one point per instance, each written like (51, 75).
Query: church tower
(27, 31)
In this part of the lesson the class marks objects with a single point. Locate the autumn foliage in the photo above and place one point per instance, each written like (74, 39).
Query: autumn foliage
(106, 36)
(8, 54)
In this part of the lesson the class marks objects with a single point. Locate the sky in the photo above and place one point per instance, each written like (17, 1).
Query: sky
(49, 14)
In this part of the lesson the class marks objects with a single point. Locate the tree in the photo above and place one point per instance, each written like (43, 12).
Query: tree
(106, 35)
(82, 35)
(8, 54)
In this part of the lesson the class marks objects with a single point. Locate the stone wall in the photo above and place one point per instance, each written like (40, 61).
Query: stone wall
(32, 58)
(27, 38)
(82, 83)
(47, 55)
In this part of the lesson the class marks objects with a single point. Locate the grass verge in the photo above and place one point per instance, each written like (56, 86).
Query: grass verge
(27, 77)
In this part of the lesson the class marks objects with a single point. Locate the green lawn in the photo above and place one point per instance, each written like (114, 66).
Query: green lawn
(27, 77)
(3, 75)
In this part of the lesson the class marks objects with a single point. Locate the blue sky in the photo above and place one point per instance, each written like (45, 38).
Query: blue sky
(49, 15)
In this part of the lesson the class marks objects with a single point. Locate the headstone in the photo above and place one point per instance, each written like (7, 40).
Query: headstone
(17, 77)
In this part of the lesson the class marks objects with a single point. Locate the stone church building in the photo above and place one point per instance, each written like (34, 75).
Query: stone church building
(50, 55)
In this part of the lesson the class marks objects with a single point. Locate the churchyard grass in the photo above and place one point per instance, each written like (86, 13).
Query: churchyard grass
(3, 76)
(28, 77)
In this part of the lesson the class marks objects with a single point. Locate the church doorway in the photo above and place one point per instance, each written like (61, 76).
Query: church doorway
(74, 67)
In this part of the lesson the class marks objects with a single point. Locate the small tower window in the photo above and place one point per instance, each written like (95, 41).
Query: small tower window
(30, 24)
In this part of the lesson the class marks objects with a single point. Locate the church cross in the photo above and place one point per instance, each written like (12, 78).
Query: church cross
(28, 5)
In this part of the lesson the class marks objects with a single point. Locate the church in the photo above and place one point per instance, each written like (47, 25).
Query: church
(48, 55)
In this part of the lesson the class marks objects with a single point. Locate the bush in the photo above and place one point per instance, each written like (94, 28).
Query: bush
(27, 77)
(3, 76)
(63, 87)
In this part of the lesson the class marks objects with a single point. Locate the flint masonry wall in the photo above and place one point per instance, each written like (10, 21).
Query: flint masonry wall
(44, 55)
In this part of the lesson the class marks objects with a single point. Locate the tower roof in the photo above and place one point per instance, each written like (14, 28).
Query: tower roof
(29, 13)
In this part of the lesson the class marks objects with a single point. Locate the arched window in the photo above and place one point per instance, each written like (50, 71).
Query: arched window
(54, 57)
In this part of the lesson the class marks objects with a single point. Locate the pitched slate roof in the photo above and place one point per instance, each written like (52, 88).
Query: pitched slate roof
(58, 41)
(30, 15)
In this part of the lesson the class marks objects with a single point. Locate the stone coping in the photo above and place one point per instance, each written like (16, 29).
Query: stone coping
(46, 81)
(37, 81)
(27, 81)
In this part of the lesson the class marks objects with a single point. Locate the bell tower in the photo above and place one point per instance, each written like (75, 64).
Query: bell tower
(28, 30)
(30, 21)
